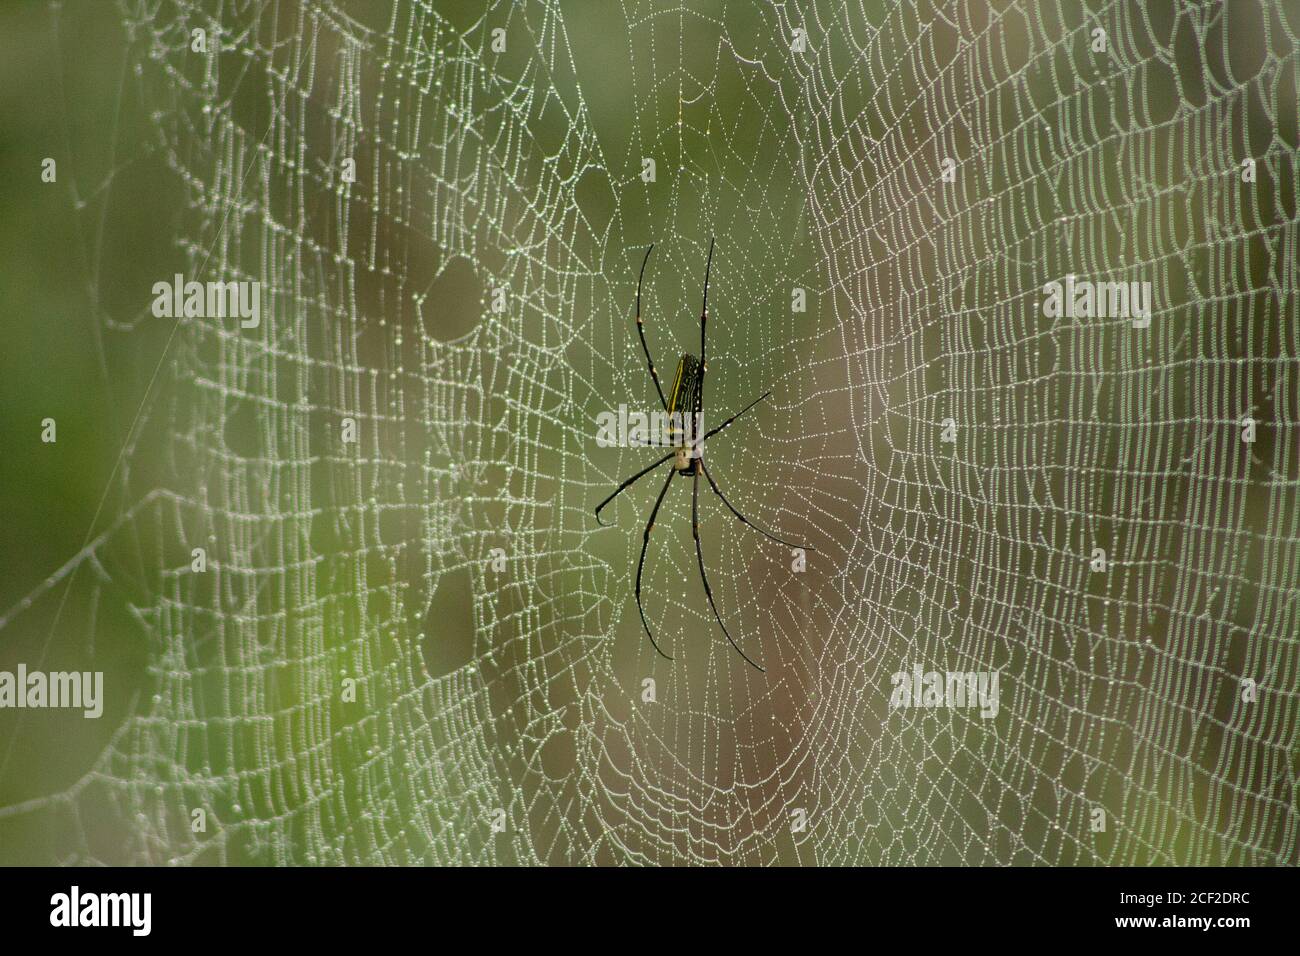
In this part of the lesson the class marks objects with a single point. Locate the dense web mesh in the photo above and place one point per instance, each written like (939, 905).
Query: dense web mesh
(501, 710)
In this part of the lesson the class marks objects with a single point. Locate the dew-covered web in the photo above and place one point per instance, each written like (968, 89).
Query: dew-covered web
(501, 708)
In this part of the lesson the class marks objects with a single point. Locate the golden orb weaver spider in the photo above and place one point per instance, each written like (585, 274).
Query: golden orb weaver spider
(687, 456)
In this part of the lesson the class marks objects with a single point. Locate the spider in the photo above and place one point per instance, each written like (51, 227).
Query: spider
(687, 394)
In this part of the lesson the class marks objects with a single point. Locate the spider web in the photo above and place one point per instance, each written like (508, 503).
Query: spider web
(501, 710)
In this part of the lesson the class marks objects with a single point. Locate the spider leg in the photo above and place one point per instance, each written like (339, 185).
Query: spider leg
(699, 553)
(640, 328)
(627, 484)
(743, 520)
(640, 566)
(709, 434)
(704, 321)
(696, 442)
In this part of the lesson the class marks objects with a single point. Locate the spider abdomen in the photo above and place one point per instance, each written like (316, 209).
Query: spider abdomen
(686, 385)
(683, 412)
